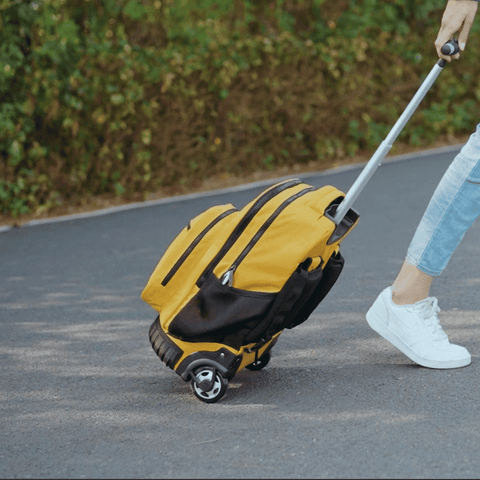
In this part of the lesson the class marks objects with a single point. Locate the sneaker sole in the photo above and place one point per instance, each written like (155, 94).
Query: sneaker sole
(392, 337)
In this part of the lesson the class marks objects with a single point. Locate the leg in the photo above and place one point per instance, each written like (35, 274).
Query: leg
(404, 314)
(454, 207)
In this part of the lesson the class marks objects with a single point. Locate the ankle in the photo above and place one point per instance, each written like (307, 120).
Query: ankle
(407, 298)
(411, 285)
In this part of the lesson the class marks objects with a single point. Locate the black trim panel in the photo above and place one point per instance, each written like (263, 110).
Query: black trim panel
(168, 352)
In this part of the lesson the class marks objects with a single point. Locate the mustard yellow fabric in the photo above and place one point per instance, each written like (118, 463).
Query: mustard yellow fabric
(299, 232)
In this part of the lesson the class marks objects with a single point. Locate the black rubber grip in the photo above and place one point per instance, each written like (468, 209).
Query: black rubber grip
(450, 48)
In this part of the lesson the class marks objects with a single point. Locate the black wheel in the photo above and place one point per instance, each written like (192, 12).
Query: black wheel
(262, 362)
(208, 384)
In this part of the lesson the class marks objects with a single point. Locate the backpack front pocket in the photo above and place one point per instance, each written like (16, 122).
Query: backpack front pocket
(221, 314)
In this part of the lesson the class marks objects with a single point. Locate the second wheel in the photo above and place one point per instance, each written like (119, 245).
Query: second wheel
(262, 362)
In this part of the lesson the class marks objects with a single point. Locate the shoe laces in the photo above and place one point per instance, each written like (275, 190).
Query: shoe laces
(429, 310)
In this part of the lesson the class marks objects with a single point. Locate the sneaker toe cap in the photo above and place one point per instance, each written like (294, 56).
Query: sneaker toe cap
(450, 353)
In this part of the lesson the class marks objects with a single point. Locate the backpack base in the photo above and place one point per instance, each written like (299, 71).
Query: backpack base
(207, 366)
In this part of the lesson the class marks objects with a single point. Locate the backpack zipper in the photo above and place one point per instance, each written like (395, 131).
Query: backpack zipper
(227, 278)
(242, 225)
(195, 242)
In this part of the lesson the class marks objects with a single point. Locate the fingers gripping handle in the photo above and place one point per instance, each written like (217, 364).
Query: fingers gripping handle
(386, 145)
(451, 47)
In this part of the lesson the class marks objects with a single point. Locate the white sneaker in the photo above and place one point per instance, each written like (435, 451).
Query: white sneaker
(416, 331)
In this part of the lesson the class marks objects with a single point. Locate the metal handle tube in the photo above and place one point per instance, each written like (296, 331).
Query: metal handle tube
(386, 145)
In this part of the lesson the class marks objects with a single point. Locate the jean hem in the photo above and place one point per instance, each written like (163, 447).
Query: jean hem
(423, 269)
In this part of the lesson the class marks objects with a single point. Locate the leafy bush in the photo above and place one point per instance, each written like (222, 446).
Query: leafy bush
(123, 98)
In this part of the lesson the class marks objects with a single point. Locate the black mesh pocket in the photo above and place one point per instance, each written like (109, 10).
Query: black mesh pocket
(222, 314)
(320, 283)
(230, 316)
(285, 301)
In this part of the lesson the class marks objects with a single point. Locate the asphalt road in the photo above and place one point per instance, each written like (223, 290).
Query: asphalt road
(83, 395)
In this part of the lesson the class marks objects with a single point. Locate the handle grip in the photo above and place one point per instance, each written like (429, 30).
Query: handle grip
(451, 47)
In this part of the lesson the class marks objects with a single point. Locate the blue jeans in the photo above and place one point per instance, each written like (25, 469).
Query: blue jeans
(453, 208)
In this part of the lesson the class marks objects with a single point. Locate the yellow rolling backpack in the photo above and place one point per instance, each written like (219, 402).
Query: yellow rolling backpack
(233, 280)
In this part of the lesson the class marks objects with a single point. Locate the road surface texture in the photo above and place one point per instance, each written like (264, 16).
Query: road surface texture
(83, 395)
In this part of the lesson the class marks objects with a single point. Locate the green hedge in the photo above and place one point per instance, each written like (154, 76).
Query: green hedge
(125, 98)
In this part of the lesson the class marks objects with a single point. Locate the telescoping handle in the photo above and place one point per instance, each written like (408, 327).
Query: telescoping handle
(450, 48)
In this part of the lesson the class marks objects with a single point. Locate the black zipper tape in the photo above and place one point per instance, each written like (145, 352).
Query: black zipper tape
(266, 226)
(192, 246)
(243, 224)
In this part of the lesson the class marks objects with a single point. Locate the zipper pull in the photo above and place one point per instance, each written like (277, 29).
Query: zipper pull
(228, 277)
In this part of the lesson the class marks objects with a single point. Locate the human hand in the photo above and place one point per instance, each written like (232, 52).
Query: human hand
(458, 17)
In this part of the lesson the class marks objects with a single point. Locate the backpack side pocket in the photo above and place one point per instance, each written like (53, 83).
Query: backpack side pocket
(317, 291)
